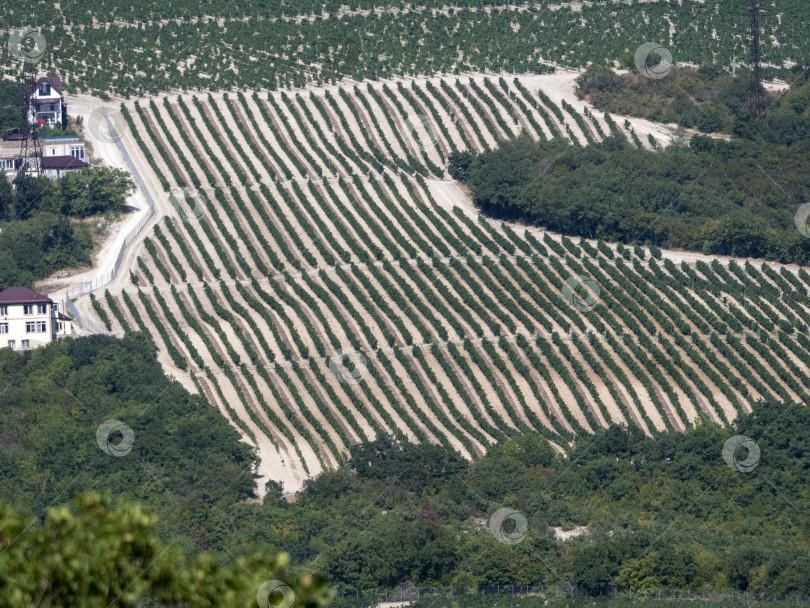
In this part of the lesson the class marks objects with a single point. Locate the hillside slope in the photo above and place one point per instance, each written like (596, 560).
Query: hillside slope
(313, 281)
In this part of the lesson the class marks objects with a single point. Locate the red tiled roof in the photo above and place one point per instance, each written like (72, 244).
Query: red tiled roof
(23, 295)
(62, 317)
(62, 162)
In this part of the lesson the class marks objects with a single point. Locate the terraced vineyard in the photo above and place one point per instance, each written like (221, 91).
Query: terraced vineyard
(318, 286)
(154, 46)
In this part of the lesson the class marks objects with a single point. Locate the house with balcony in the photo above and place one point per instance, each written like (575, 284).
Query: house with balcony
(29, 319)
(47, 102)
(60, 149)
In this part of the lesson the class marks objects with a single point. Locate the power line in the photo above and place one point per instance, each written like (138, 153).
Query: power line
(29, 145)
(756, 103)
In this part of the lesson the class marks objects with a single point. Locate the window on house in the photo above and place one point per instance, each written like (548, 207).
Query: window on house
(30, 327)
(44, 88)
(12, 344)
(42, 309)
(42, 327)
(3, 310)
(3, 328)
(60, 326)
(77, 151)
(25, 344)
(28, 309)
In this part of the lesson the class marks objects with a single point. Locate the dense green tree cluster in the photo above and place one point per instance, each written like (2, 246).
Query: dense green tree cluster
(709, 99)
(56, 397)
(36, 247)
(37, 236)
(662, 511)
(737, 197)
(688, 97)
(10, 113)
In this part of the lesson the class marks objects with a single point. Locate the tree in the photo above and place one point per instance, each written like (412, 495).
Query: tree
(95, 190)
(90, 554)
(459, 164)
(534, 450)
(6, 200)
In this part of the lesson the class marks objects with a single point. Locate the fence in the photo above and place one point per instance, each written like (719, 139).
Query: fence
(87, 324)
(86, 287)
(105, 279)
(369, 597)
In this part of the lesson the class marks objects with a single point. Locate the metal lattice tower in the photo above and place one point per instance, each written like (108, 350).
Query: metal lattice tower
(756, 102)
(29, 145)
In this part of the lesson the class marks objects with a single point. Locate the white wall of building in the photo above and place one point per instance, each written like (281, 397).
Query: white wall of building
(26, 322)
(64, 148)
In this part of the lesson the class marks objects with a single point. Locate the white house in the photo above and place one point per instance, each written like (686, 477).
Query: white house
(62, 145)
(61, 153)
(29, 319)
(48, 101)
(58, 154)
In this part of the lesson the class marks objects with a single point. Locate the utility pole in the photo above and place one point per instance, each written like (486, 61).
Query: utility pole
(29, 145)
(756, 104)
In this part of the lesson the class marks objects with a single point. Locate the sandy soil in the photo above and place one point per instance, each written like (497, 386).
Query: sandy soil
(240, 142)
(561, 85)
(420, 129)
(546, 396)
(288, 141)
(330, 128)
(532, 400)
(423, 112)
(459, 120)
(436, 401)
(269, 133)
(530, 107)
(462, 401)
(382, 120)
(109, 153)
(504, 417)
